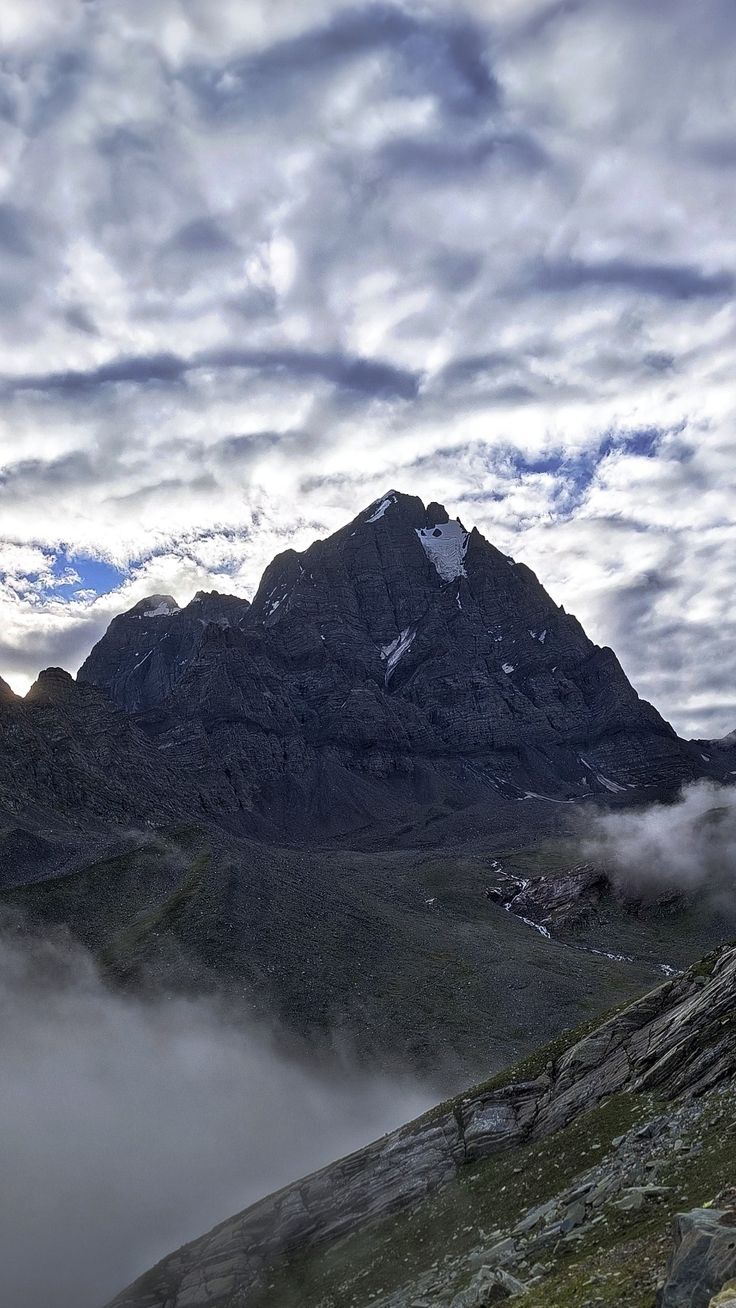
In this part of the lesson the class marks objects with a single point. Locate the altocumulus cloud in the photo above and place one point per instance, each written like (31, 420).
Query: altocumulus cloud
(259, 262)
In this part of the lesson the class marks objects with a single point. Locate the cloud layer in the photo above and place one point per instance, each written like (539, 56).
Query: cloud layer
(129, 1127)
(259, 262)
(688, 846)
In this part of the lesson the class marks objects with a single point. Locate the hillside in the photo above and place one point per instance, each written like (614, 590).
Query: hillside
(556, 1183)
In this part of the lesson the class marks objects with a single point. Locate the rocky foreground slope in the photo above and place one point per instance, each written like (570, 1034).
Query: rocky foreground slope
(556, 1184)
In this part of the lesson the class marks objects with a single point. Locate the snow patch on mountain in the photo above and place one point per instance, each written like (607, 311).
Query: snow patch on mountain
(397, 649)
(166, 607)
(606, 782)
(140, 662)
(445, 545)
(382, 507)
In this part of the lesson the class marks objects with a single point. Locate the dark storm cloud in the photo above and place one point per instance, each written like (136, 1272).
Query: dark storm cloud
(75, 469)
(670, 281)
(547, 16)
(70, 642)
(201, 236)
(366, 376)
(15, 238)
(437, 159)
(238, 452)
(718, 152)
(465, 371)
(60, 88)
(437, 53)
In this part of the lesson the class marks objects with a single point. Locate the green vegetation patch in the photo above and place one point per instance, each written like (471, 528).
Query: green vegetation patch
(488, 1195)
(620, 1261)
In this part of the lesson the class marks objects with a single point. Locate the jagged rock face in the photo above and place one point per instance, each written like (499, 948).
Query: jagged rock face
(403, 647)
(720, 752)
(145, 650)
(6, 694)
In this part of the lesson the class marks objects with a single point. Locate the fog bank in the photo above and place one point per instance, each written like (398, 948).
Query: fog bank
(128, 1127)
(687, 846)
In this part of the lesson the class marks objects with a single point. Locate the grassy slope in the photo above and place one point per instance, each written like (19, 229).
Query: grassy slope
(338, 944)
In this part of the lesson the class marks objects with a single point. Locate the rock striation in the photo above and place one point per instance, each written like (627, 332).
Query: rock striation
(68, 755)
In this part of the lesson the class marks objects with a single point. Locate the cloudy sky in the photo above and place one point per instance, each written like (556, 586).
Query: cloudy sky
(261, 260)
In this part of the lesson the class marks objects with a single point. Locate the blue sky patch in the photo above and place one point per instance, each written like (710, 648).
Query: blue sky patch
(575, 473)
(94, 574)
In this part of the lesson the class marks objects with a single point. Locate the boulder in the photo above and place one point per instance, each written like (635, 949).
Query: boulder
(726, 1298)
(703, 1259)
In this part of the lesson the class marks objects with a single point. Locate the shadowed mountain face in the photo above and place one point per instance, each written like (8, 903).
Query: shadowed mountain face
(69, 756)
(402, 663)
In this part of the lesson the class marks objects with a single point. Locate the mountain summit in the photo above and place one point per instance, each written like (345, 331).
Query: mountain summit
(402, 662)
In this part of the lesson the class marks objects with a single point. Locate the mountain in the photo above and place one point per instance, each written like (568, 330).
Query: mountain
(558, 1181)
(402, 665)
(348, 805)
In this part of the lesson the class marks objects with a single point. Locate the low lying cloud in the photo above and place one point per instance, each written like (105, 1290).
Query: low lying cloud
(688, 846)
(128, 1127)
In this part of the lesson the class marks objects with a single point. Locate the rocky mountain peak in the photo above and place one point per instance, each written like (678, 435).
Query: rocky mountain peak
(395, 508)
(393, 502)
(401, 642)
(217, 607)
(52, 686)
(155, 606)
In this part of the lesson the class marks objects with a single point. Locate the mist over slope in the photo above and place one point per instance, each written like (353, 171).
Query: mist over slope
(687, 846)
(129, 1126)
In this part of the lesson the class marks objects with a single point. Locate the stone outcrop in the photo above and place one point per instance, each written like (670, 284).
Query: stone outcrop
(678, 1041)
(145, 650)
(558, 900)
